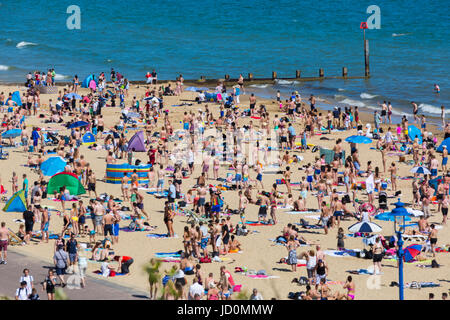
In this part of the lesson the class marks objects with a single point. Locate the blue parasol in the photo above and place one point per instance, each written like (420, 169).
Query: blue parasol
(358, 139)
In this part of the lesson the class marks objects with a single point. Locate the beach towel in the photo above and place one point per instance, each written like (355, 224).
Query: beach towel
(342, 253)
(301, 212)
(261, 276)
(111, 273)
(160, 236)
(256, 223)
(176, 254)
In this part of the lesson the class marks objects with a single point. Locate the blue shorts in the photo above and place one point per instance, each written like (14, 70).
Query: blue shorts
(434, 172)
(337, 214)
(186, 126)
(45, 228)
(116, 229)
(201, 202)
(309, 179)
(215, 208)
(238, 177)
(317, 171)
(444, 161)
(259, 177)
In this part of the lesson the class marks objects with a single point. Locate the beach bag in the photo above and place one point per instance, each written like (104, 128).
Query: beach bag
(303, 281)
(205, 260)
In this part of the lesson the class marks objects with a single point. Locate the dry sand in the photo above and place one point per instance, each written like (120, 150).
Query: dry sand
(258, 253)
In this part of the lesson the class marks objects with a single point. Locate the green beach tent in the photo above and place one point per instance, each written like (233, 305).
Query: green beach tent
(16, 203)
(67, 179)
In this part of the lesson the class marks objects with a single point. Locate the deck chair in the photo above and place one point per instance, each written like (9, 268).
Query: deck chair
(196, 218)
(14, 239)
(4, 155)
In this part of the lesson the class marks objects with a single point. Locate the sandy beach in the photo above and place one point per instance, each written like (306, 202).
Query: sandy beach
(257, 251)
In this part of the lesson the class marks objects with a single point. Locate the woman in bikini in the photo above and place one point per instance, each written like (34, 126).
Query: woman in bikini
(187, 240)
(350, 286)
(169, 214)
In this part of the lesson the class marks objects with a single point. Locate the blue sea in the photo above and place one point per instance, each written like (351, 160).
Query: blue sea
(408, 54)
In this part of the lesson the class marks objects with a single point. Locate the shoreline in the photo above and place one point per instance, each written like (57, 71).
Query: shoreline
(322, 104)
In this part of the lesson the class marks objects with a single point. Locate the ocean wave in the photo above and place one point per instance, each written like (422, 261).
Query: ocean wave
(286, 82)
(262, 86)
(61, 76)
(367, 95)
(23, 44)
(353, 102)
(431, 109)
(4, 68)
(339, 96)
(340, 89)
(400, 34)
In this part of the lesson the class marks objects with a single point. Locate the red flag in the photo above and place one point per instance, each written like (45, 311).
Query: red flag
(363, 25)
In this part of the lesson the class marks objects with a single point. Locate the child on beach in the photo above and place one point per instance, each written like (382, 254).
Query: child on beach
(340, 241)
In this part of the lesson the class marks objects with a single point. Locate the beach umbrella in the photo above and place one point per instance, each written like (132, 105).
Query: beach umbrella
(387, 216)
(148, 98)
(420, 170)
(13, 133)
(53, 165)
(364, 227)
(78, 124)
(358, 139)
(412, 251)
(414, 132)
(73, 95)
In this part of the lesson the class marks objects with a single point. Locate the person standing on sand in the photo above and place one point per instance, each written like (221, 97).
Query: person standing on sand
(4, 240)
(432, 237)
(325, 216)
(415, 110)
(444, 158)
(291, 247)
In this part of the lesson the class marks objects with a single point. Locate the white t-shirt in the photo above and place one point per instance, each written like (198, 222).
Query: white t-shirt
(23, 293)
(194, 289)
(29, 280)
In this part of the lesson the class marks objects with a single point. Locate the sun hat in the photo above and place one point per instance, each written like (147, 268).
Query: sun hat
(179, 274)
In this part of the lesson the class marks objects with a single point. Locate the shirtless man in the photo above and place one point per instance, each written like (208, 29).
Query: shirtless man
(45, 221)
(201, 191)
(325, 216)
(337, 208)
(242, 205)
(4, 239)
(140, 202)
(99, 211)
(433, 239)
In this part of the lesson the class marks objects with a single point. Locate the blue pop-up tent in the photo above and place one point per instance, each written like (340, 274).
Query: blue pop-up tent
(53, 165)
(16, 98)
(85, 83)
(446, 142)
(414, 132)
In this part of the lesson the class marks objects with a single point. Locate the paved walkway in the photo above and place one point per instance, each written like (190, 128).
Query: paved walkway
(96, 289)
